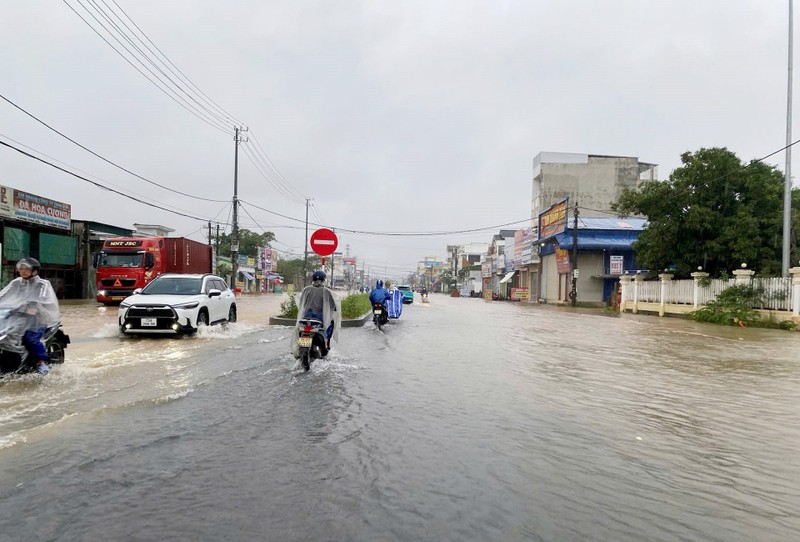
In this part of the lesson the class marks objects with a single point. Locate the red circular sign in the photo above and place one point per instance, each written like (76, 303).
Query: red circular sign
(324, 242)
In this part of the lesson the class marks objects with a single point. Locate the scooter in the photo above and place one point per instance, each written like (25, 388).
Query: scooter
(14, 357)
(312, 342)
(380, 316)
(424, 297)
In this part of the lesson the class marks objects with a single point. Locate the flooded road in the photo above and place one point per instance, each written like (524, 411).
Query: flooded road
(463, 420)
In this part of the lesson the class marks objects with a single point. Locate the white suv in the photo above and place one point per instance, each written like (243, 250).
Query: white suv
(176, 303)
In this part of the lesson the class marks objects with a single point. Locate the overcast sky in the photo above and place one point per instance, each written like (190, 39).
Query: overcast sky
(413, 116)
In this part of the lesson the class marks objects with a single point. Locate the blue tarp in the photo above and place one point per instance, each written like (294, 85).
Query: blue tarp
(395, 303)
(598, 239)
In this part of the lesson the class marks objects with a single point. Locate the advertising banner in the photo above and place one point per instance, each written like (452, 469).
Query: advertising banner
(554, 220)
(25, 207)
(520, 294)
(562, 260)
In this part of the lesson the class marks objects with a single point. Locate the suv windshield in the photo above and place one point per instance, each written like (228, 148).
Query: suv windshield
(174, 286)
(404, 288)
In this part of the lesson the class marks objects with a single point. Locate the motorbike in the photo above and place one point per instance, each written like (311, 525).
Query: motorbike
(14, 357)
(380, 316)
(424, 297)
(312, 342)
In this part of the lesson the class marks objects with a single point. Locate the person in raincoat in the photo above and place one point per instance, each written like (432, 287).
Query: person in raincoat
(379, 294)
(320, 303)
(34, 306)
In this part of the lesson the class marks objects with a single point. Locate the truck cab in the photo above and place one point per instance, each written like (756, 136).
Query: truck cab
(124, 265)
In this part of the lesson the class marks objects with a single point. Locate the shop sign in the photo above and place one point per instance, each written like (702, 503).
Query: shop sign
(615, 266)
(562, 260)
(554, 220)
(25, 207)
(520, 294)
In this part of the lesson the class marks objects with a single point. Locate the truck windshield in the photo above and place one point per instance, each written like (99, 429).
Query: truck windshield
(174, 286)
(120, 260)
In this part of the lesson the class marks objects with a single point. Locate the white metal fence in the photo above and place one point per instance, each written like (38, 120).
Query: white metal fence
(774, 293)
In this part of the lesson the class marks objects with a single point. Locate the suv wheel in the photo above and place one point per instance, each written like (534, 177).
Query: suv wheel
(202, 318)
(232, 314)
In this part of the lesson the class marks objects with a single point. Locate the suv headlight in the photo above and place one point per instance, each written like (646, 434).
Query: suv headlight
(124, 305)
(187, 305)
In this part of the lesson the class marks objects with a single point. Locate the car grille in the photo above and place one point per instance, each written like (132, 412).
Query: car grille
(165, 316)
(124, 282)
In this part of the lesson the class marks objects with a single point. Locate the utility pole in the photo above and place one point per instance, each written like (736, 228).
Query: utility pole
(237, 138)
(216, 248)
(573, 294)
(787, 182)
(305, 258)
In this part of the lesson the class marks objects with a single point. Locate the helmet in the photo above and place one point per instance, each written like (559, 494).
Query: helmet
(318, 275)
(379, 284)
(31, 263)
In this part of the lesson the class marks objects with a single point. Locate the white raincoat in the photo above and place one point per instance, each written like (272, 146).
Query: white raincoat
(32, 303)
(331, 311)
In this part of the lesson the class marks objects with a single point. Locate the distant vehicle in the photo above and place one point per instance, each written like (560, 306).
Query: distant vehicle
(408, 293)
(178, 303)
(127, 263)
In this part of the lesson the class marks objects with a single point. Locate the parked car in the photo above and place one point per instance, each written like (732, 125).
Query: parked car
(178, 303)
(408, 294)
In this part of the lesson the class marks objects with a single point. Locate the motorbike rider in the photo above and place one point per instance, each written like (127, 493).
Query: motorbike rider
(32, 299)
(379, 294)
(319, 302)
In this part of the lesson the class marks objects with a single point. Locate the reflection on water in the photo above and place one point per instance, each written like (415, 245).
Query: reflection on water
(463, 420)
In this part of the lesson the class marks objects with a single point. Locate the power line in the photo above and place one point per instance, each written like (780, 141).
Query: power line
(169, 92)
(99, 185)
(90, 151)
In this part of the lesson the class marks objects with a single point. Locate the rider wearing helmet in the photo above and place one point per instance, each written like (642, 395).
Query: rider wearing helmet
(34, 299)
(321, 303)
(379, 294)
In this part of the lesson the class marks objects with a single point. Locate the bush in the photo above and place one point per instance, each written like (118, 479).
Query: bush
(734, 305)
(289, 308)
(353, 306)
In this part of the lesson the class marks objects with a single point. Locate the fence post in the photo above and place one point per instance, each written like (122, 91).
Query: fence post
(665, 278)
(636, 281)
(742, 276)
(697, 275)
(625, 283)
(795, 272)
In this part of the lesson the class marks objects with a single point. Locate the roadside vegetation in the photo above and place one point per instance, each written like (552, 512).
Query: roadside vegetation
(353, 306)
(733, 307)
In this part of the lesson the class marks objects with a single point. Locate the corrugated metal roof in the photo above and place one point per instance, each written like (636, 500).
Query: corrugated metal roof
(610, 223)
(607, 239)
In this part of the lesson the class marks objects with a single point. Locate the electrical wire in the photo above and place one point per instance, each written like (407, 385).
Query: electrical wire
(90, 151)
(99, 185)
(170, 93)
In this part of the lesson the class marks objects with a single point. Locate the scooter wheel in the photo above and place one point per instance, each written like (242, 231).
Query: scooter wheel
(306, 360)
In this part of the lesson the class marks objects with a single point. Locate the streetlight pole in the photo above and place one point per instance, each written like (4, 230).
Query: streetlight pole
(787, 183)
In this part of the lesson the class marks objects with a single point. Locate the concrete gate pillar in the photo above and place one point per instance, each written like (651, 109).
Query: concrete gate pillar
(665, 278)
(697, 276)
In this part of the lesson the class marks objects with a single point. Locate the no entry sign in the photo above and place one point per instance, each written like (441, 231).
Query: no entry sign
(324, 242)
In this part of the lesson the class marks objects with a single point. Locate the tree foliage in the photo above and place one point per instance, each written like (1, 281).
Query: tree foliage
(292, 269)
(249, 242)
(715, 212)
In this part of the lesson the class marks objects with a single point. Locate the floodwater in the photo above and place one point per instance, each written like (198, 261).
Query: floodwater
(463, 420)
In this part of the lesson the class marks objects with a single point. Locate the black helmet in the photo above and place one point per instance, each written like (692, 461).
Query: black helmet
(318, 275)
(379, 284)
(31, 263)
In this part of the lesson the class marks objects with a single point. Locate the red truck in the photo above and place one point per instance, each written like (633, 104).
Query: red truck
(127, 263)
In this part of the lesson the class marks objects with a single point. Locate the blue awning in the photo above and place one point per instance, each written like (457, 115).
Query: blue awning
(248, 276)
(599, 239)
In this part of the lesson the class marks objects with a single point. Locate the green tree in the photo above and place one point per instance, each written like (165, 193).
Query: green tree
(714, 211)
(292, 269)
(248, 242)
